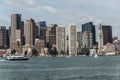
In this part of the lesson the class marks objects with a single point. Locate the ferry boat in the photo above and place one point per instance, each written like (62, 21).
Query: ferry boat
(13, 57)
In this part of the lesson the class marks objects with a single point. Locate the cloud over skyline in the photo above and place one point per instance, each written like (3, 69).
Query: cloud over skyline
(106, 12)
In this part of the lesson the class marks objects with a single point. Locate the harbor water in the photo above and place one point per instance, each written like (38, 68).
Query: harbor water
(62, 68)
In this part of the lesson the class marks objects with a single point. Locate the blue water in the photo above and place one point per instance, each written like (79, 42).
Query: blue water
(62, 68)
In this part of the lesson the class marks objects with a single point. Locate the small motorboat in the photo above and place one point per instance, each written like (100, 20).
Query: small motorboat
(14, 57)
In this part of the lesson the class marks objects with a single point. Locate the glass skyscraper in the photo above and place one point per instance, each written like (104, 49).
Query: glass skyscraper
(90, 28)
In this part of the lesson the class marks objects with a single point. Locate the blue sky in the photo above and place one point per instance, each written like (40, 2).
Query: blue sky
(64, 12)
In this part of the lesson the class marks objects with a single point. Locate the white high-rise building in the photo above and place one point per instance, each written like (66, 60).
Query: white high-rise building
(72, 40)
(100, 39)
(60, 39)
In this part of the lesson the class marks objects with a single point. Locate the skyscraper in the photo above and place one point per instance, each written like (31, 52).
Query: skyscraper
(48, 37)
(87, 39)
(29, 31)
(79, 39)
(60, 39)
(107, 34)
(51, 35)
(15, 26)
(100, 39)
(22, 33)
(72, 39)
(91, 28)
(8, 38)
(3, 37)
(42, 27)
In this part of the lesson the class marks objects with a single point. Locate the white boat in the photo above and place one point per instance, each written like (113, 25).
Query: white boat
(13, 57)
(95, 55)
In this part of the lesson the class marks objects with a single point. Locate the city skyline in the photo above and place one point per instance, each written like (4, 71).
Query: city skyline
(76, 11)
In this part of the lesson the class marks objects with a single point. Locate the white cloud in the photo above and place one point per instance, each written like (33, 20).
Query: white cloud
(49, 9)
(30, 2)
(12, 4)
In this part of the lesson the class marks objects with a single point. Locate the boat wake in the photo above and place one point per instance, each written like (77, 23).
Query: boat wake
(2, 60)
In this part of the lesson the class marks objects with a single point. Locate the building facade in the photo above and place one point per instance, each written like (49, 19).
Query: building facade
(15, 25)
(117, 45)
(107, 34)
(22, 33)
(51, 36)
(79, 39)
(72, 39)
(3, 37)
(42, 27)
(29, 31)
(109, 49)
(91, 28)
(60, 40)
(39, 44)
(100, 40)
(87, 39)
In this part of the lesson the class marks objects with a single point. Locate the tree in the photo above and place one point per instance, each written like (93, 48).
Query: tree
(34, 52)
(13, 51)
(62, 52)
(53, 51)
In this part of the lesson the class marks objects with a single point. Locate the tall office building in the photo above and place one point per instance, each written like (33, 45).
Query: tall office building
(60, 39)
(72, 39)
(8, 38)
(79, 39)
(22, 33)
(42, 27)
(107, 34)
(15, 26)
(87, 39)
(91, 28)
(51, 35)
(29, 31)
(47, 44)
(3, 37)
(100, 40)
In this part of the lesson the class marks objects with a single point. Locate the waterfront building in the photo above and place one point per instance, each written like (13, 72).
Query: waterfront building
(18, 37)
(47, 44)
(109, 49)
(3, 37)
(67, 44)
(29, 31)
(39, 44)
(90, 28)
(29, 50)
(8, 38)
(15, 25)
(117, 45)
(61, 39)
(72, 39)
(100, 40)
(87, 39)
(2, 52)
(51, 36)
(79, 39)
(107, 34)
(42, 27)
(22, 33)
